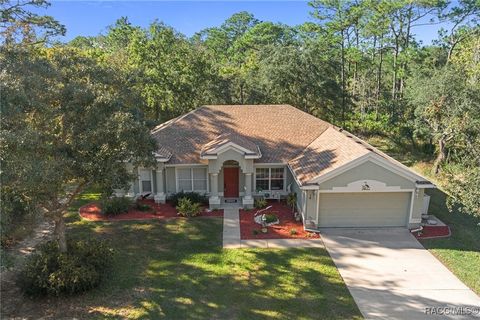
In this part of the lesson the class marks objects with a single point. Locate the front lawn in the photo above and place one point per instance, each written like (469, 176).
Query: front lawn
(461, 252)
(177, 269)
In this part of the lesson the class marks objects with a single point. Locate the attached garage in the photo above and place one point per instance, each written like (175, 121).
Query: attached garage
(358, 209)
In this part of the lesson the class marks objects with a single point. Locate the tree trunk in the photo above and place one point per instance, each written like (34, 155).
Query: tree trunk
(379, 81)
(394, 76)
(440, 156)
(60, 233)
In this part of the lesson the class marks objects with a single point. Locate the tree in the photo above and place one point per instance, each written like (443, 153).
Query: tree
(65, 126)
(441, 99)
(19, 24)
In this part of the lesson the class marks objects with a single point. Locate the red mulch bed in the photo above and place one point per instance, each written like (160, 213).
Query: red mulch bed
(278, 231)
(431, 232)
(93, 212)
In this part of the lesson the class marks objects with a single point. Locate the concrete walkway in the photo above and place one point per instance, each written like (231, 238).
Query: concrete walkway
(392, 276)
(231, 236)
(231, 228)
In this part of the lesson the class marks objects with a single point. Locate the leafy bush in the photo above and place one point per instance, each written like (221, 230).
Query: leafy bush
(194, 197)
(115, 206)
(270, 217)
(187, 208)
(142, 206)
(17, 212)
(260, 203)
(293, 232)
(80, 269)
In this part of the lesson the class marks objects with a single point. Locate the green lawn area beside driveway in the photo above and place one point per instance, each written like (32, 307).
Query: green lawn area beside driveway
(461, 252)
(177, 269)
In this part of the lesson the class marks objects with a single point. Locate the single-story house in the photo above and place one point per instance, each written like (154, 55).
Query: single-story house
(234, 153)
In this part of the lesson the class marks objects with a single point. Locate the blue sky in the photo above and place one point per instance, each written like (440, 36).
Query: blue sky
(89, 18)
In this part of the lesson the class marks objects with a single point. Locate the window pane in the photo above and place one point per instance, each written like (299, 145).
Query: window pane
(277, 184)
(185, 185)
(200, 185)
(184, 173)
(277, 173)
(262, 173)
(262, 185)
(199, 173)
(146, 186)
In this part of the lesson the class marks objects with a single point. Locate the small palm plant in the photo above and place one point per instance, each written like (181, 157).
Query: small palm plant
(292, 200)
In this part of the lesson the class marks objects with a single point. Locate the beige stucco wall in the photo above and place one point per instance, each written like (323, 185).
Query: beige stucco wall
(311, 205)
(215, 165)
(418, 204)
(368, 171)
(171, 183)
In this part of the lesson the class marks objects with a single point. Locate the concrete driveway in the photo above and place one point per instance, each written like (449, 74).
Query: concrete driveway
(392, 276)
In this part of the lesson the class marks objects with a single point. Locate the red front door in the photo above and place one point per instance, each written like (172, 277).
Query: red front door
(230, 179)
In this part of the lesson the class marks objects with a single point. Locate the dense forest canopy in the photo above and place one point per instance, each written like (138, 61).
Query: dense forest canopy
(358, 65)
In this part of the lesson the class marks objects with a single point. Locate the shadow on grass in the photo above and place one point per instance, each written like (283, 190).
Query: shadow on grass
(465, 228)
(177, 269)
(461, 251)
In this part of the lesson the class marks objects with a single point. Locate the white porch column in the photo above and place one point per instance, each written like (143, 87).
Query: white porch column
(130, 192)
(247, 199)
(160, 195)
(214, 200)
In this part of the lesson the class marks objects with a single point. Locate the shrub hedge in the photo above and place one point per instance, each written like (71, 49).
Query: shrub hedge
(115, 206)
(192, 196)
(50, 272)
(187, 208)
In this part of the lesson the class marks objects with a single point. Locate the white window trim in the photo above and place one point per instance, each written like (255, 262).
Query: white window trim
(270, 179)
(177, 189)
(140, 184)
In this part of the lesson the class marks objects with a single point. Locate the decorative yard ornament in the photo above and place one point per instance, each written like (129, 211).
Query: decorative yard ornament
(365, 186)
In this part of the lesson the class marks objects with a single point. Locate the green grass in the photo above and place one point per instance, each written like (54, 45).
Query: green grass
(461, 252)
(177, 269)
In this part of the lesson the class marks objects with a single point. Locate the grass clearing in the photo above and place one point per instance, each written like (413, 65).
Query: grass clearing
(177, 269)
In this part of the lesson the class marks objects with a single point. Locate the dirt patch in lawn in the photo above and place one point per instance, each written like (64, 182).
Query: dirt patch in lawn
(93, 212)
(249, 229)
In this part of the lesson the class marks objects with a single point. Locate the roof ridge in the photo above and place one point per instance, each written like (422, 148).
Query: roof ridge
(168, 123)
(315, 139)
(375, 150)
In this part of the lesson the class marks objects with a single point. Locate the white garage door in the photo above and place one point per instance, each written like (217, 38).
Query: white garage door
(383, 209)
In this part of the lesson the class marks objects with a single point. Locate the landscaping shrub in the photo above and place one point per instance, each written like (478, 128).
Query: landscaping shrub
(260, 203)
(17, 218)
(115, 206)
(142, 206)
(293, 232)
(187, 208)
(270, 217)
(292, 200)
(192, 196)
(54, 273)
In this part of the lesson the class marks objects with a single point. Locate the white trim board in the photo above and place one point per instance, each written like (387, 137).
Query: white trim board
(376, 159)
(358, 186)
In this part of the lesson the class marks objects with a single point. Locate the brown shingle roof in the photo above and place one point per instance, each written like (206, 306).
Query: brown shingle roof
(230, 137)
(330, 150)
(280, 131)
